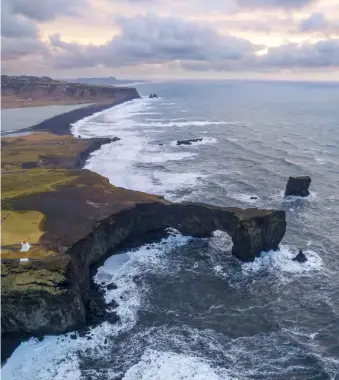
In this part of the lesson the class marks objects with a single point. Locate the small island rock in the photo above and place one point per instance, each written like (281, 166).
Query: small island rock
(298, 186)
(111, 286)
(188, 142)
(301, 258)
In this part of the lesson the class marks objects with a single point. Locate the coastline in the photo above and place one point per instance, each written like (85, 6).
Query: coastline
(104, 217)
(14, 120)
(60, 124)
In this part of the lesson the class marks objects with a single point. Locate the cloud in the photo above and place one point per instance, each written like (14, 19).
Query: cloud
(151, 39)
(20, 24)
(315, 22)
(318, 22)
(14, 25)
(14, 48)
(322, 54)
(45, 10)
(282, 4)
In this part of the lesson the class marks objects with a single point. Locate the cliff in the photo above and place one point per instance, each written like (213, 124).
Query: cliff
(74, 217)
(26, 91)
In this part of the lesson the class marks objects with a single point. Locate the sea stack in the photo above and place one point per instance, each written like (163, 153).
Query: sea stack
(298, 186)
(301, 258)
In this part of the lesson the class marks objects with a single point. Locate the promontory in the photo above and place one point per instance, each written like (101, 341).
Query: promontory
(72, 218)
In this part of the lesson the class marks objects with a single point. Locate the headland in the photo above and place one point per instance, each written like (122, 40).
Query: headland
(73, 218)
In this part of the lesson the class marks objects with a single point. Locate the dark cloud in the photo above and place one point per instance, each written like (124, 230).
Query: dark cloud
(321, 55)
(46, 10)
(283, 4)
(150, 39)
(19, 24)
(14, 25)
(15, 48)
(19, 17)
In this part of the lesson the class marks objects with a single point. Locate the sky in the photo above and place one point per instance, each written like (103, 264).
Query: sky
(172, 39)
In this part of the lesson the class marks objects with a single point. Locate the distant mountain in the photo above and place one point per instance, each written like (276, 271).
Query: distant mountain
(105, 81)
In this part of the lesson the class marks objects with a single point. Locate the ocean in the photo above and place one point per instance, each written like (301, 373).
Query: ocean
(190, 310)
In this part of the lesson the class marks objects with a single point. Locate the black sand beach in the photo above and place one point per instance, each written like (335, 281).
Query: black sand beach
(60, 124)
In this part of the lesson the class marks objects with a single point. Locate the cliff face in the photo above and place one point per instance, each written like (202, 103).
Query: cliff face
(40, 297)
(53, 295)
(73, 218)
(33, 91)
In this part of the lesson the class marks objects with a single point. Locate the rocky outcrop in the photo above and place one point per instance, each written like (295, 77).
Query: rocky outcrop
(41, 297)
(301, 257)
(298, 186)
(151, 96)
(188, 142)
(53, 296)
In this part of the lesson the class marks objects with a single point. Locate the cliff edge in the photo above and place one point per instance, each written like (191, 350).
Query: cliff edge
(73, 218)
(29, 91)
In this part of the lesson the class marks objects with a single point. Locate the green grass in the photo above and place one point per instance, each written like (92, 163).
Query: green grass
(24, 182)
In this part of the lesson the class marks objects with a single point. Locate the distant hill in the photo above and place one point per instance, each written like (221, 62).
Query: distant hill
(28, 91)
(104, 81)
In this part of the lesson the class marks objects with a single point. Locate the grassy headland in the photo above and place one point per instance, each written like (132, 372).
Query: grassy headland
(48, 199)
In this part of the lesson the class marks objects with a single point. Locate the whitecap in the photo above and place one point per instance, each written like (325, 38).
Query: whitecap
(281, 262)
(292, 198)
(155, 365)
(165, 157)
(167, 184)
(58, 357)
(190, 123)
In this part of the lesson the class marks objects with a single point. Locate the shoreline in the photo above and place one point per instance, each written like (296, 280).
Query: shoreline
(61, 124)
(99, 219)
(58, 125)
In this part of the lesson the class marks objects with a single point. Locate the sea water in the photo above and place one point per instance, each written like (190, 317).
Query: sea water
(188, 308)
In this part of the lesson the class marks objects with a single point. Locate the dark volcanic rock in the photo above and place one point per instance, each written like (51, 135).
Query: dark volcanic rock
(56, 295)
(111, 286)
(40, 297)
(112, 317)
(94, 145)
(254, 198)
(298, 186)
(151, 96)
(188, 142)
(301, 258)
(113, 304)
